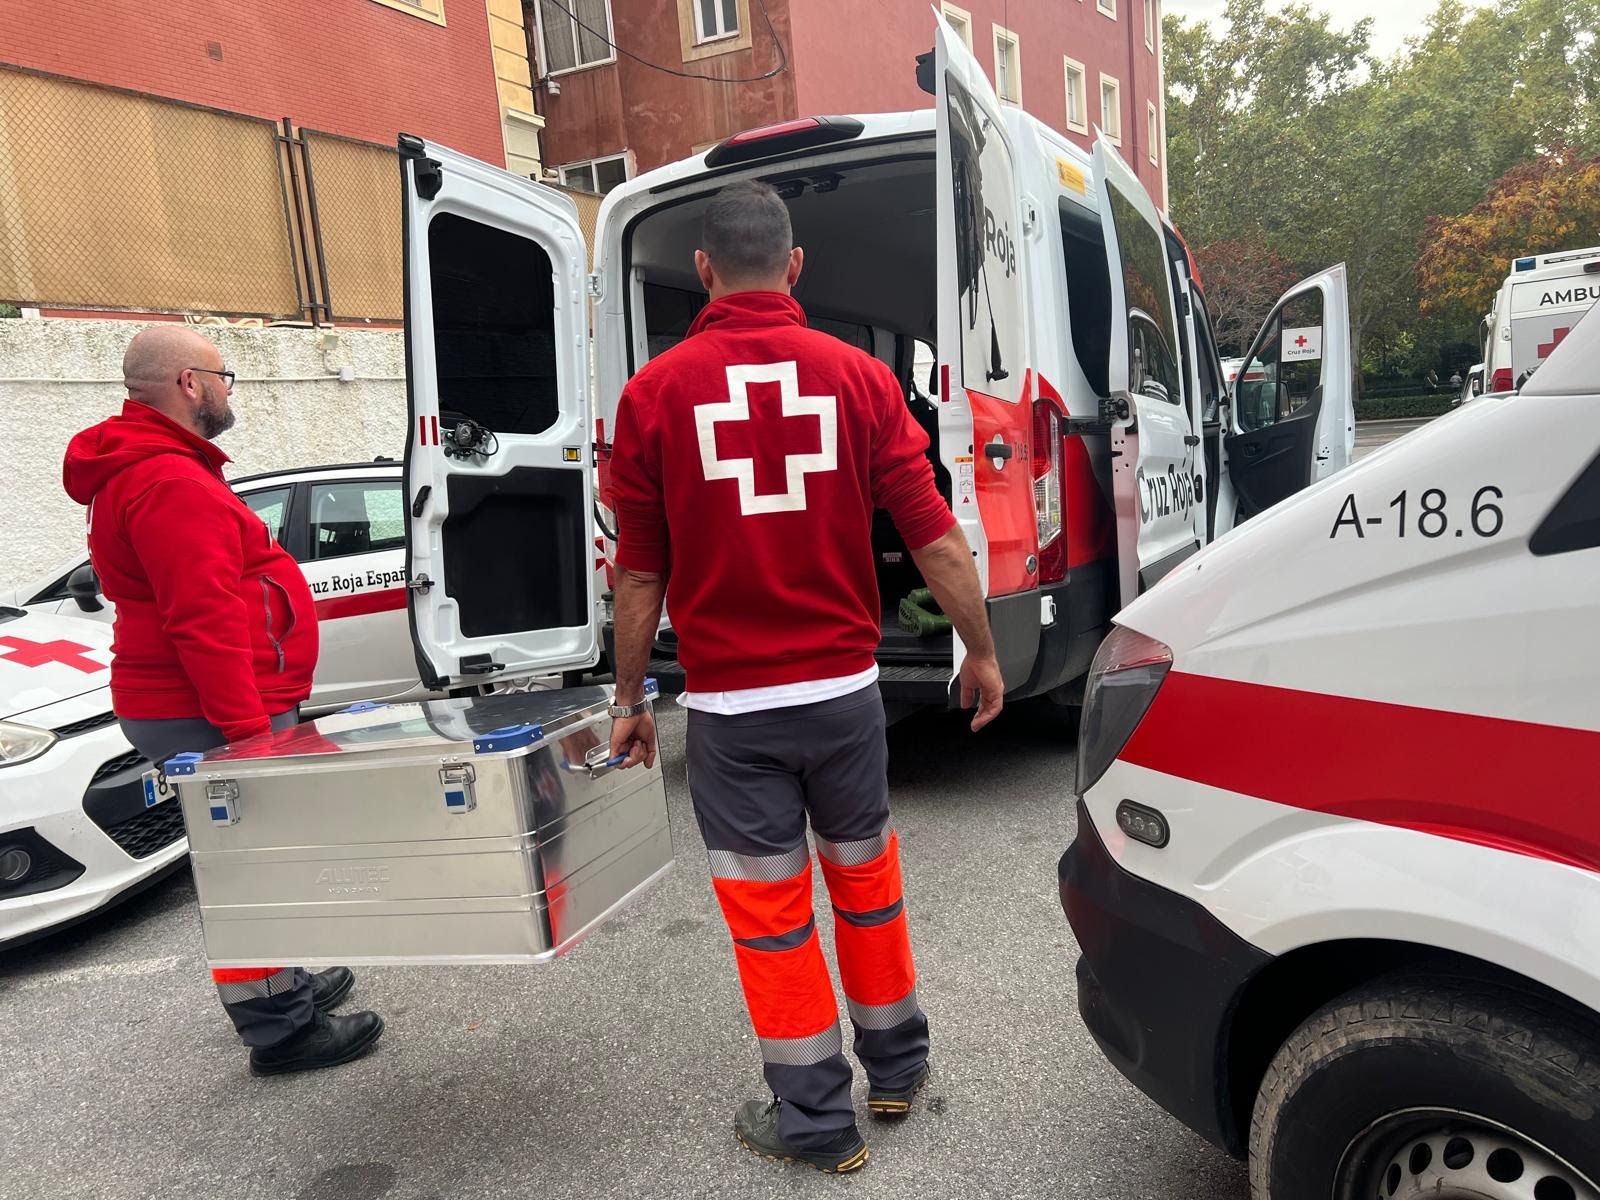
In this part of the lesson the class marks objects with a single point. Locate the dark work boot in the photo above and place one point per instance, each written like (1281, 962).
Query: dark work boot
(756, 1123)
(894, 1104)
(325, 1042)
(330, 987)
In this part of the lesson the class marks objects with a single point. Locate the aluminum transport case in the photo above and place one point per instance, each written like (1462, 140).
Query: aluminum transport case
(482, 830)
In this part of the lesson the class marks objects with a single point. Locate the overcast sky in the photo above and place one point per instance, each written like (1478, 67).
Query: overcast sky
(1393, 20)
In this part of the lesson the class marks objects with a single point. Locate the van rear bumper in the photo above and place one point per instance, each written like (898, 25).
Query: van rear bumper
(1159, 980)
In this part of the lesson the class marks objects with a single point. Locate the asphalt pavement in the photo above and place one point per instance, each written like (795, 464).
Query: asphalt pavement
(1370, 435)
(615, 1071)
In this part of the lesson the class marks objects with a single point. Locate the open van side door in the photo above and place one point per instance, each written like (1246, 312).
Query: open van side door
(985, 380)
(1292, 420)
(498, 481)
(1155, 448)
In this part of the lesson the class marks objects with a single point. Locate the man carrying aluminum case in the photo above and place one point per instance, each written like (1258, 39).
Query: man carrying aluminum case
(216, 636)
(747, 464)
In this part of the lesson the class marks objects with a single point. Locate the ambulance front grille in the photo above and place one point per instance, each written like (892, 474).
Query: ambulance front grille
(151, 831)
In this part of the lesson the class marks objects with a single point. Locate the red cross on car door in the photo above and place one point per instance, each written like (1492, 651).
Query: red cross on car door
(498, 470)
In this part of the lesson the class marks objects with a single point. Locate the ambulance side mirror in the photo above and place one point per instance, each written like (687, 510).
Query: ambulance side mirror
(83, 585)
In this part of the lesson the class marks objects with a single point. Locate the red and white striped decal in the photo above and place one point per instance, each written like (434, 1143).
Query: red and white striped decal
(428, 431)
(1511, 785)
(361, 604)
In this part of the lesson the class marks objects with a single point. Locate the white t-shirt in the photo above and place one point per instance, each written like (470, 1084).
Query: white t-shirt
(783, 695)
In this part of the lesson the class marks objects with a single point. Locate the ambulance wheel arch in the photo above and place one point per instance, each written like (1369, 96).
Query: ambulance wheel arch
(1432, 1083)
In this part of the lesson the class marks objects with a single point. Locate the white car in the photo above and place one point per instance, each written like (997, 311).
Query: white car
(76, 831)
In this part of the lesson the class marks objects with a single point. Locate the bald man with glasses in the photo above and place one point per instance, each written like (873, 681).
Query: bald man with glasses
(215, 636)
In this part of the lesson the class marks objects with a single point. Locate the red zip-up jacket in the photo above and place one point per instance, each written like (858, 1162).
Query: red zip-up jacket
(214, 618)
(747, 463)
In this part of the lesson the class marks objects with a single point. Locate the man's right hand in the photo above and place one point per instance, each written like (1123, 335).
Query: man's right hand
(634, 739)
(981, 682)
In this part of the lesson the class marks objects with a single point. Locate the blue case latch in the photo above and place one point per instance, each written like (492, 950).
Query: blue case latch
(457, 779)
(184, 764)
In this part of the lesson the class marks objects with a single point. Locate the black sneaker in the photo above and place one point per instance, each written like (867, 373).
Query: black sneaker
(894, 1104)
(330, 987)
(757, 1126)
(326, 1042)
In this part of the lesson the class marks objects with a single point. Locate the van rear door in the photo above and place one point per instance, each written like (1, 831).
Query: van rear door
(1155, 448)
(985, 381)
(498, 481)
(1293, 412)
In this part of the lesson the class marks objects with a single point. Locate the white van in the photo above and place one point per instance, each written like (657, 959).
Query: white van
(1079, 422)
(1542, 298)
(1336, 879)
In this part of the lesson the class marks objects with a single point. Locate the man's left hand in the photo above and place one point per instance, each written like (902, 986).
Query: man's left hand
(636, 738)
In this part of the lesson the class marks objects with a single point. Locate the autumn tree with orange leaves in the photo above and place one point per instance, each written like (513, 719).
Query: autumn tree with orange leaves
(1541, 207)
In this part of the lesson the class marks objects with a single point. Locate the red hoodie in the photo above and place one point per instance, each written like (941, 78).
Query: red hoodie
(214, 618)
(748, 460)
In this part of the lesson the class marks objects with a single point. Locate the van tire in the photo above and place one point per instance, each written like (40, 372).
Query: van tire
(1352, 1087)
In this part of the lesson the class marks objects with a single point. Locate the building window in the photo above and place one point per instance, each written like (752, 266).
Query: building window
(1109, 7)
(428, 10)
(715, 20)
(1077, 97)
(961, 21)
(1150, 25)
(1007, 66)
(571, 45)
(1152, 127)
(1111, 109)
(598, 175)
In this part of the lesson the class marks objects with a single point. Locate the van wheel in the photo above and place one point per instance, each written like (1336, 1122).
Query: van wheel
(1444, 1087)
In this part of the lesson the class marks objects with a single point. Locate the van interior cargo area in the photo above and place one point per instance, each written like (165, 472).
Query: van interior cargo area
(869, 279)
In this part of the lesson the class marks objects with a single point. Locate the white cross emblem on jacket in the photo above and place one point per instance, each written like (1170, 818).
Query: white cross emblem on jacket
(796, 466)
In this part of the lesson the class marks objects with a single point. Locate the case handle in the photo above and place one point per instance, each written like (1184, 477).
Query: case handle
(596, 763)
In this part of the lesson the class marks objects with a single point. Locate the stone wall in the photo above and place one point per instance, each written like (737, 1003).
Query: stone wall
(60, 376)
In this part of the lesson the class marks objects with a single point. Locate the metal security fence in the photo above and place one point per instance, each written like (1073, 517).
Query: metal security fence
(111, 199)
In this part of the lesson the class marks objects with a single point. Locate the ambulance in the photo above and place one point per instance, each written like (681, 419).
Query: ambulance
(1336, 880)
(1541, 300)
(1079, 423)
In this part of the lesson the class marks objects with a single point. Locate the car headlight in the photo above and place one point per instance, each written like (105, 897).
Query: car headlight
(19, 743)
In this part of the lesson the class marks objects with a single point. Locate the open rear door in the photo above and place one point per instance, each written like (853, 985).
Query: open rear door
(1155, 448)
(1293, 413)
(499, 545)
(985, 381)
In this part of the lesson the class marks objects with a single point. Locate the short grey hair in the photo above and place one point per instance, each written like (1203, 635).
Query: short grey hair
(746, 233)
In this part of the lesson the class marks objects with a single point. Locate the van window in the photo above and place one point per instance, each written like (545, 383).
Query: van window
(493, 326)
(1147, 287)
(1285, 372)
(1083, 250)
(1574, 522)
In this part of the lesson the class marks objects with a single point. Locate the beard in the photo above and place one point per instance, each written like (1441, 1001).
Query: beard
(215, 416)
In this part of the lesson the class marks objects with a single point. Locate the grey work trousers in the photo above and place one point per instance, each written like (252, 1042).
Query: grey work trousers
(264, 1011)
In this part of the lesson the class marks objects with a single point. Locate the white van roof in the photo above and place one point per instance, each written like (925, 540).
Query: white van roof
(1555, 264)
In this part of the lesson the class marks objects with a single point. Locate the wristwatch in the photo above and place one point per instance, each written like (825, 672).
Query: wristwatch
(615, 711)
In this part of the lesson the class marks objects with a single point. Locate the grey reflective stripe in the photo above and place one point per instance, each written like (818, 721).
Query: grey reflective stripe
(803, 1052)
(853, 854)
(884, 1016)
(878, 916)
(780, 941)
(760, 868)
(275, 984)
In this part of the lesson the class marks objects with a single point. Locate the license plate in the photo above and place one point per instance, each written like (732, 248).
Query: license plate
(157, 790)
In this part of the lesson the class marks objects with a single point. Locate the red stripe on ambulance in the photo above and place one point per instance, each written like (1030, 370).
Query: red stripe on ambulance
(1512, 785)
(361, 604)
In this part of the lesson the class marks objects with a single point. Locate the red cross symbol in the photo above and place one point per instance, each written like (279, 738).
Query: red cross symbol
(38, 654)
(1300, 341)
(768, 438)
(1556, 338)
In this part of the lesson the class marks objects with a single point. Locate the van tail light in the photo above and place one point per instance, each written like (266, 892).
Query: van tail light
(1047, 491)
(1127, 671)
(782, 138)
(1501, 381)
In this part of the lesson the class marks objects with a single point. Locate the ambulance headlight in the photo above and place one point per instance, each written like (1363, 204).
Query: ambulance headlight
(1127, 672)
(20, 743)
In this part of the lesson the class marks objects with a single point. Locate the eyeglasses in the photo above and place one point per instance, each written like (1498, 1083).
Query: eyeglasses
(228, 376)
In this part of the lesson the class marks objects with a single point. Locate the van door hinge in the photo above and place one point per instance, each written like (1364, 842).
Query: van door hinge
(594, 287)
(429, 175)
(1187, 309)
